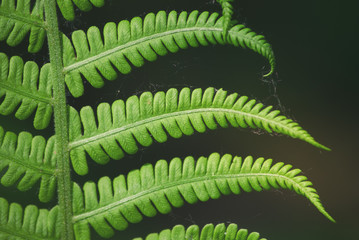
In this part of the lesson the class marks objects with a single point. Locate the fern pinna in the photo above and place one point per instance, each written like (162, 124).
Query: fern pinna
(114, 130)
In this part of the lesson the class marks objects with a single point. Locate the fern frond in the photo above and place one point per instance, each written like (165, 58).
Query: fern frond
(227, 12)
(67, 6)
(32, 223)
(156, 189)
(28, 159)
(17, 20)
(21, 84)
(139, 40)
(139, 120)
(208, 232)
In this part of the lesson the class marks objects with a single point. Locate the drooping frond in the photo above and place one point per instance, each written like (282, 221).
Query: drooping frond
(227, 12)
(139, 120)
(139, 40)
(208, 232)
(32, 223)
(24, 85)
(67, 6)
(156, 189)
(17, 20)
(28, 160)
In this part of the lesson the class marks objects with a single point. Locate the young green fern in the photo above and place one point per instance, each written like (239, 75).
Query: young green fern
(138, 40)
(227, 11)
(17, 20)
(26, 90)
(119, 128)
(67, 7)
(157, 188)
(209, 231)
(28, 159)
(140, 120)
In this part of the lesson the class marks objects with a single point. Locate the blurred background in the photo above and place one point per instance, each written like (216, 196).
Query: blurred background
(316, 84)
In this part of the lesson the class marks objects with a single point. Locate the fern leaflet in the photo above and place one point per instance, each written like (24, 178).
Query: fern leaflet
(67, 6)
(208, 232)
(22, 84)
(30, 223)
(139, 40)
(156, 189)
(227, 12)
(17, 20)
(28, 159)
(124, 125)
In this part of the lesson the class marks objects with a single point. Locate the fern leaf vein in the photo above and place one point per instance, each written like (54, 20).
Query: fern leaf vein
(17, 19)
(175, 184)
(208, 232)
(89, 60)
(21, 18)
(26, 86)
(137, 41)
(274, 124)
(29, 160)
(165, 185)
(141, 120)
(38, 97)
(107, 53)
(28, 223)
(24, 165)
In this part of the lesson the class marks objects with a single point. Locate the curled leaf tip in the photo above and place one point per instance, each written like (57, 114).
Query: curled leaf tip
(271, 70)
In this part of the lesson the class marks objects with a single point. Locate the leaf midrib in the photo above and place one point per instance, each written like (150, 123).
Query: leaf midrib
(78, 143)
(19, 91)
(26, 235)
(31, 20)
(129, 44)
(39, 170)
(171, 184)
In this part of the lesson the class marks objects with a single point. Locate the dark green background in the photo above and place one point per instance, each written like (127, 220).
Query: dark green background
(315, 43)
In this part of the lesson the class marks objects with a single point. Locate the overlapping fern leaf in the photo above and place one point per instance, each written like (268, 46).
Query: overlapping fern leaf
(32, 223)
(24, 85)
(133, 42)
(28, 160)
(227, 12)
(17, 19)
(140, 120)
(123, 200)
(67, 6)
(17, 223)
(208, 232)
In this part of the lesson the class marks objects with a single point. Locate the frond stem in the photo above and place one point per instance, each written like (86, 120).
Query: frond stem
(61, 122)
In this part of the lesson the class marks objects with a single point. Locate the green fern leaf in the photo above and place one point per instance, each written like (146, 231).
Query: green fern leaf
(227, 12)
(22, 84)
(139, 40)
(156, 189)
(208, 232)
(67, 6)
(16, 21)
(32, 223)
(139, 120)
(28, 159)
